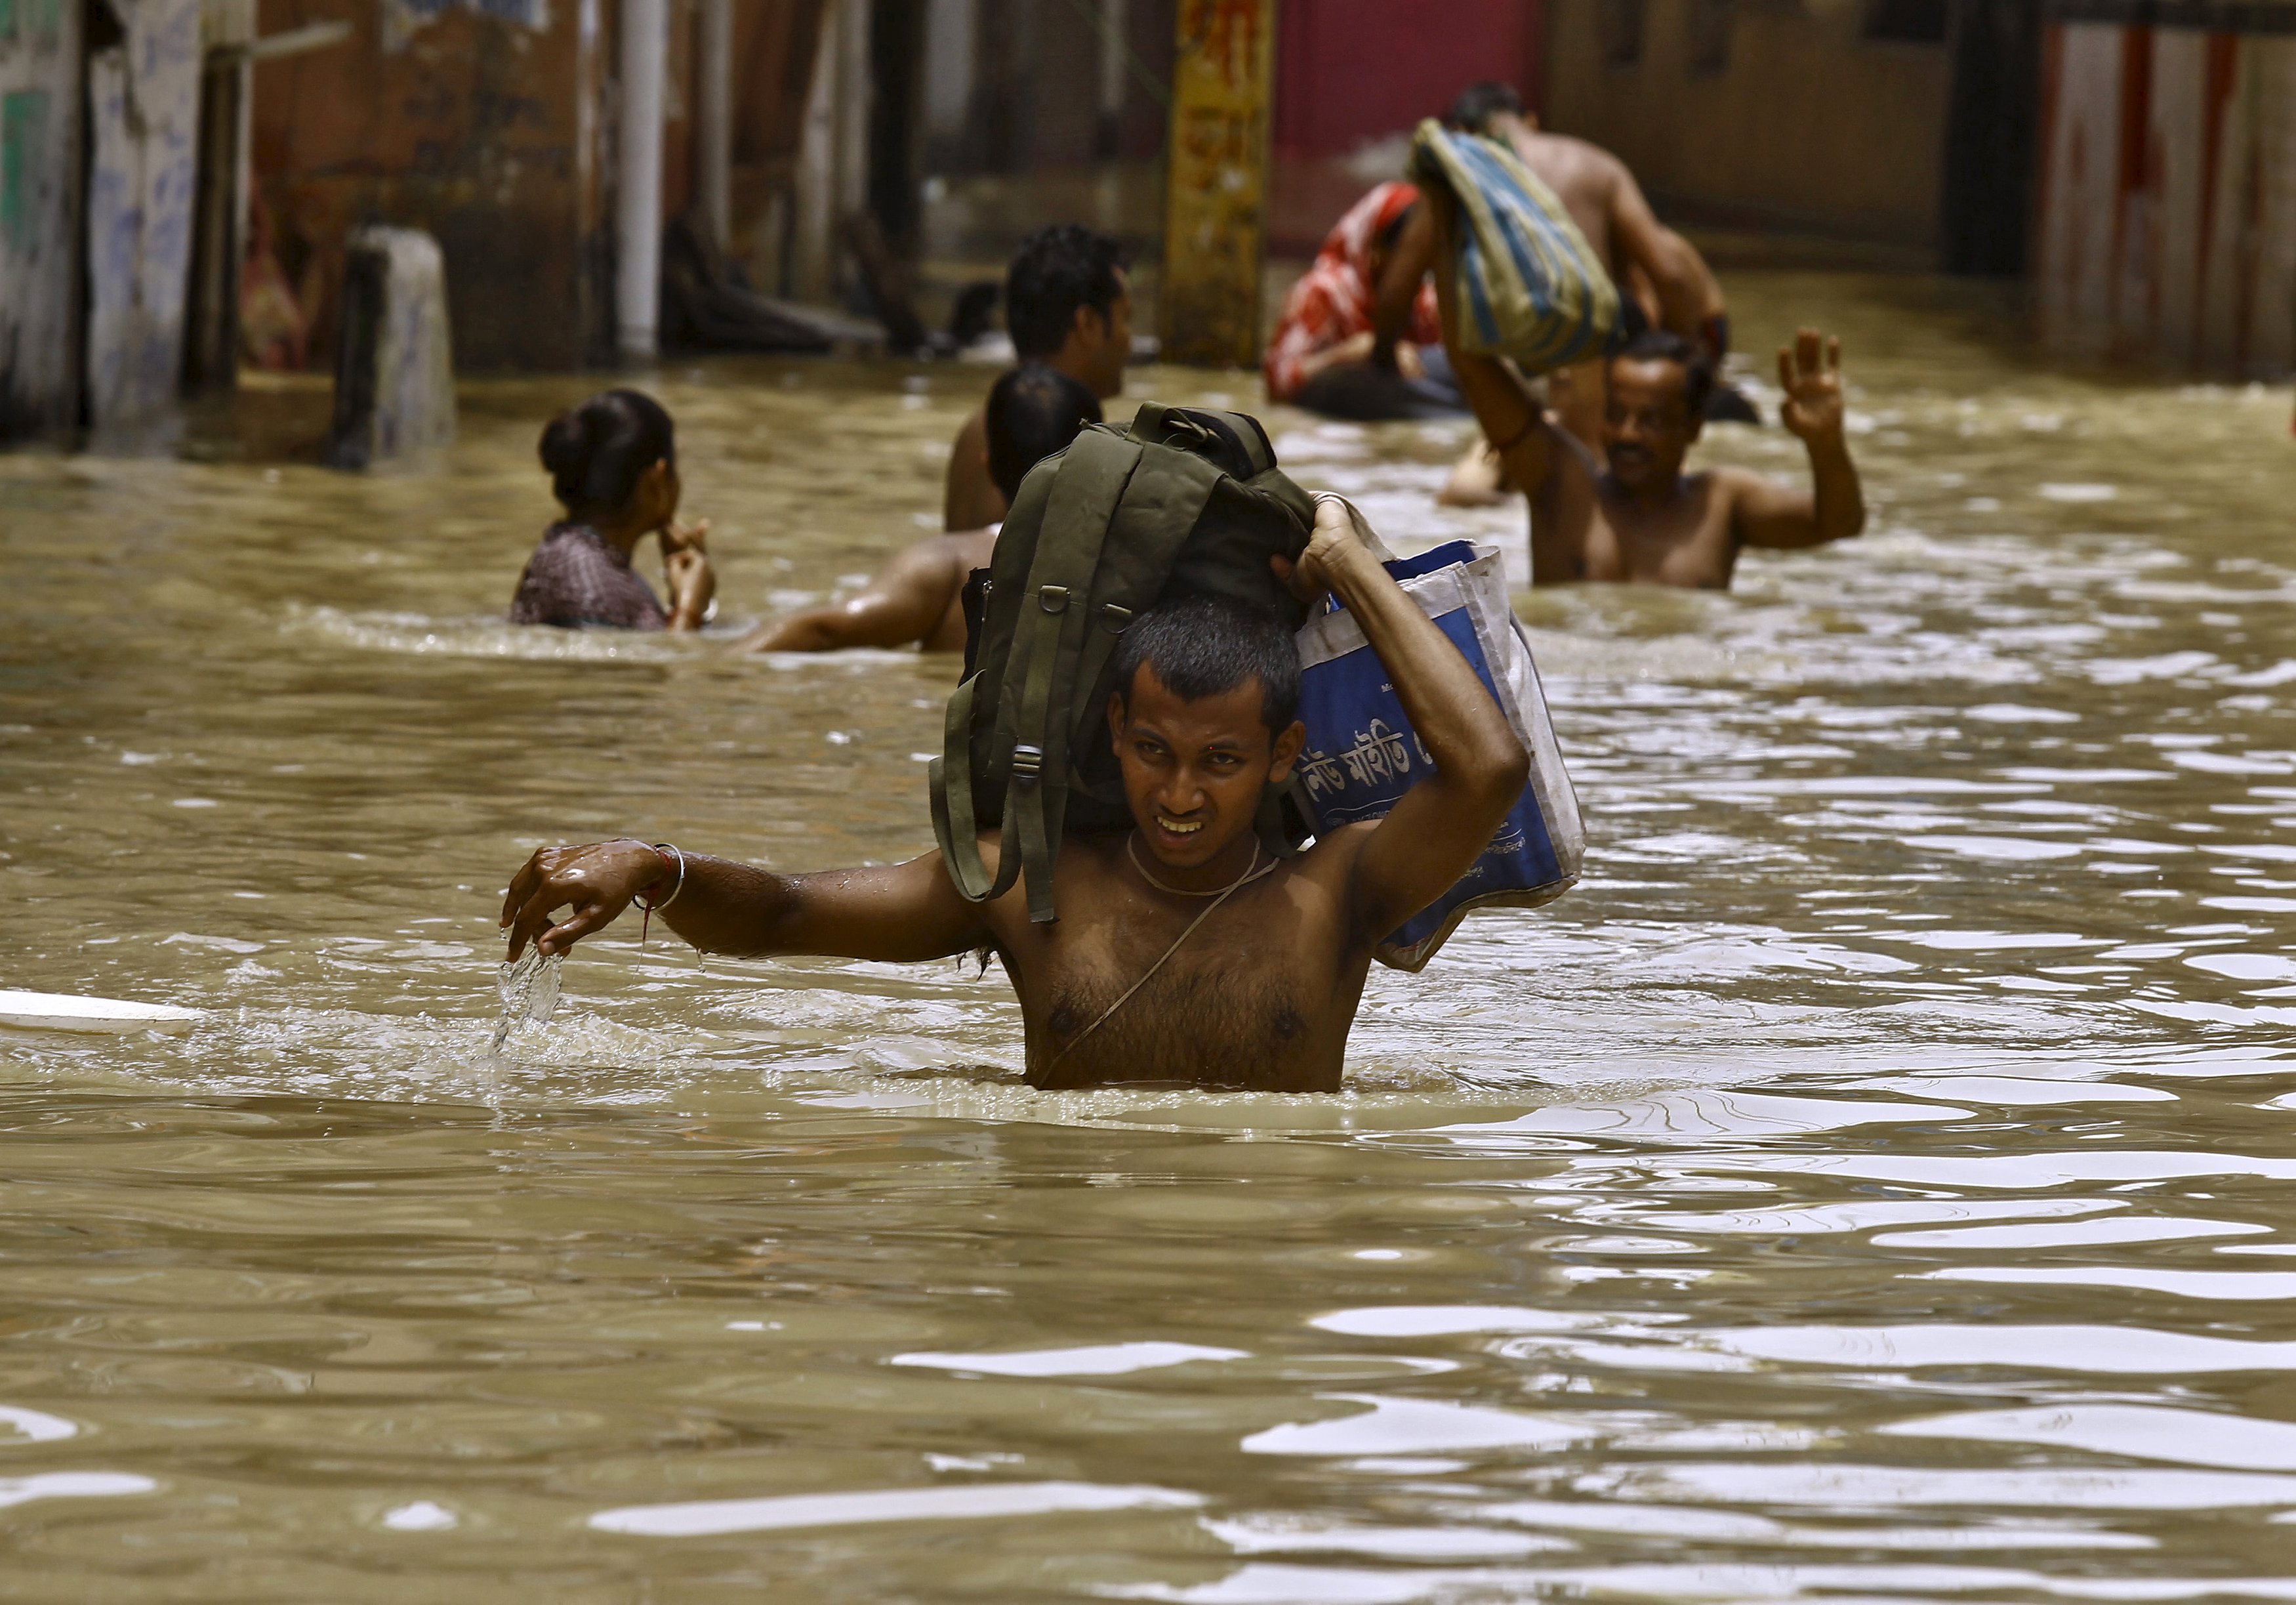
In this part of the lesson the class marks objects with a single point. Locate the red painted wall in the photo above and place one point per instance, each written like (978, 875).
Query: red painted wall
(1352, 71)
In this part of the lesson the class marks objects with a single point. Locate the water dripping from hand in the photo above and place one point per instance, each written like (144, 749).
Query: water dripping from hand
(530, 992)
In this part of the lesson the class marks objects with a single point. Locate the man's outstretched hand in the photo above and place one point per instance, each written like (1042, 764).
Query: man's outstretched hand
(597, 882)
(1809, 372)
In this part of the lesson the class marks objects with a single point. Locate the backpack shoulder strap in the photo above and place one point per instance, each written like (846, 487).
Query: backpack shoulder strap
(1055, 615)
(955, 826)
(970, 765)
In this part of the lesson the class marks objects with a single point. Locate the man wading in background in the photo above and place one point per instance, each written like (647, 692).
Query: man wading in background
(1187, 953)
(1068, 304)
(1635, 516)
(918, 597)
(1663, 282)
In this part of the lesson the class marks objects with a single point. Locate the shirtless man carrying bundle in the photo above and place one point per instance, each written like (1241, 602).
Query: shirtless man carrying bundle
(1185, 953)
(1663, 282)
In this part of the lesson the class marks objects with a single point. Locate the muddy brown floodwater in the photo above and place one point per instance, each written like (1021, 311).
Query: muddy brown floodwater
(1874, 1182)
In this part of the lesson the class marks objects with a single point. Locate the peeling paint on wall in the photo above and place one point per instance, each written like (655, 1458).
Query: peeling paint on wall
(23, 166)
(2168, 197)
(143, 108)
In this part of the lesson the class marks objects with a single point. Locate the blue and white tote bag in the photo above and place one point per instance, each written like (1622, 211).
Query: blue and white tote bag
(1362, 753)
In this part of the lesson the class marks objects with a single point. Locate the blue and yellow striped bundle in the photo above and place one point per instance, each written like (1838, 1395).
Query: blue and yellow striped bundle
(1530, 285)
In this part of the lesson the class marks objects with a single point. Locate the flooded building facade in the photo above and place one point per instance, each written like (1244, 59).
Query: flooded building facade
(2168, 196)
(1053, 90)
(39, 216)
(2134, 160)
(99, 124)
(493, 126)
(178, 179)
(1828, 117)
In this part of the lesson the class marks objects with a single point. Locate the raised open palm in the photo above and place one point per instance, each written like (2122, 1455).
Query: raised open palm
(1809, 372)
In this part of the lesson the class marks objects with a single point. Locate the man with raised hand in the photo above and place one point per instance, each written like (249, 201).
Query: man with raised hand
(1634, 515)
(1187, 952)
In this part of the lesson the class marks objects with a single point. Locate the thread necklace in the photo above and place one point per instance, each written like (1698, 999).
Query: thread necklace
(1252, 871)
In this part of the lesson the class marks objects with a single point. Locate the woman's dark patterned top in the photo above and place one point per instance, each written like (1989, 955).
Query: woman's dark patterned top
(577, 577)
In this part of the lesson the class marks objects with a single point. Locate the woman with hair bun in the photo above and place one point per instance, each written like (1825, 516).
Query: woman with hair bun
(614, 466)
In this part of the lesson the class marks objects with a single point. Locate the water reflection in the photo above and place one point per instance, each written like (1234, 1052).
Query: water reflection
(1870, 1183)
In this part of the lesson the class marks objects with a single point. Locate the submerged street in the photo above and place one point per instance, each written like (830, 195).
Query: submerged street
(1871, 1181)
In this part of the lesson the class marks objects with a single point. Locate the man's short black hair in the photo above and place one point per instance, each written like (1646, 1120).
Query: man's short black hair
(1478, 103)
(1206, 646)
(1033, 412)
(1055, 271)
(1664, 345)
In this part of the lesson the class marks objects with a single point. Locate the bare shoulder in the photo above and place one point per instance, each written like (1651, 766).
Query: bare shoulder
(1002, 914)
(970, 549)
(1583, 158)
(1740, 497)
(935, 557)
(1728, 483)
(1085, 866)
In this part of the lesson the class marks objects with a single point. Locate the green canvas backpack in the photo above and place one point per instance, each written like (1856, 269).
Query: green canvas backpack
(1185, 500)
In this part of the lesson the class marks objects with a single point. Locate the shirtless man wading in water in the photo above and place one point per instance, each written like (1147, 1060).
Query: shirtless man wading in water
(1634, 515)
(1262, 993)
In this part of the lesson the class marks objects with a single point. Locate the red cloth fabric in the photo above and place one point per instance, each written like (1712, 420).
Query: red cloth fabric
(1333, 300)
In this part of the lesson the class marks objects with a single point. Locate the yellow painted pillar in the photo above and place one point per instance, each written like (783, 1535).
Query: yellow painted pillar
(1215, 195)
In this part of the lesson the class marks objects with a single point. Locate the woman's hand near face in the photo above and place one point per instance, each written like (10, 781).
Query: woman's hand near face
(692, 579)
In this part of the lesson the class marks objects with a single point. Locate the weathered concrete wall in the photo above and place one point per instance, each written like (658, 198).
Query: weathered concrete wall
(775, 43)
(1025, 86)
(144, 113)
(40, 101)
(1777, 114)
(488, 124)
(2168, 209)
(477, 124)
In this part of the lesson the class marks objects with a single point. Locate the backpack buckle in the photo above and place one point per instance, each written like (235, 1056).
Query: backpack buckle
(1113, 619)
(1027, 762)
(1053, 598)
